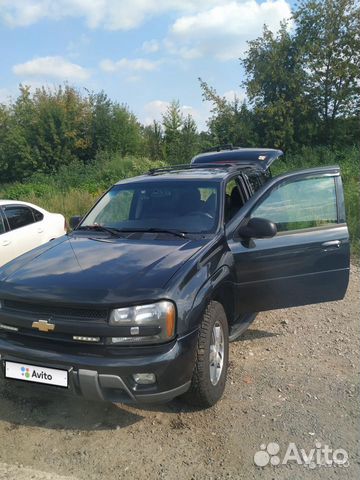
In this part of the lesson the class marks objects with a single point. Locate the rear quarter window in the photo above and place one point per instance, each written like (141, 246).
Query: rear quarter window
(38, 216)
(256, 180)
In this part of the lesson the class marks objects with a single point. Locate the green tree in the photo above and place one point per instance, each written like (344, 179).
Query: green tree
(274, 84)
(172, 122)
(231, 121)
(125, 131)
(328, 37)
(189, 139)
(16, 160)
(114, 127)
(43, 131)
(180, 135)
(58, 133)
(153, 141)
(101, 119)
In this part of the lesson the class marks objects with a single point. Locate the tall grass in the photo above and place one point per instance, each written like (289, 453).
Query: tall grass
(73, 190)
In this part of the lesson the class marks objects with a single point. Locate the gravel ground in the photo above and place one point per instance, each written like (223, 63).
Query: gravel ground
(293, 378)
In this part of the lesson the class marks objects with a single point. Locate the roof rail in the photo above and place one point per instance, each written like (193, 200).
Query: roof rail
(168, 169)
(195, 166)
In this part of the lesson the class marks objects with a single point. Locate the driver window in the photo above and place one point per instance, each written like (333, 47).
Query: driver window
(306, 203)
(233, 200)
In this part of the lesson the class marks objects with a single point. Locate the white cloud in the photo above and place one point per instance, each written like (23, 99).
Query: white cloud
(222, 31)
(154, 111)
(126, 64)
(109, 14)
(231, 95)
(21, 13)
(151, 46)
(54, 67)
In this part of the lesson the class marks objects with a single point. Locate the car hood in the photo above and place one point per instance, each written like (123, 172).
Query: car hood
(78, 269)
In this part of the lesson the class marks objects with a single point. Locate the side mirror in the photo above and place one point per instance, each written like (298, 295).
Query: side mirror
(257, 228)
(74, 222)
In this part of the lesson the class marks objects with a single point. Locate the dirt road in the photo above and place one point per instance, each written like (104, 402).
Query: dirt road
(293, 378)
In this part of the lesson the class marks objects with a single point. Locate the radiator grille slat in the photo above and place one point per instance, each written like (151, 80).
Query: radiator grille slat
(55, 311)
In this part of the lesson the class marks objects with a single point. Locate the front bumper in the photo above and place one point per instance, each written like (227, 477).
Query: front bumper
(110, 378)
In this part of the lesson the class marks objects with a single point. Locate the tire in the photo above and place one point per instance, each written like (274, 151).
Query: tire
(209, 377)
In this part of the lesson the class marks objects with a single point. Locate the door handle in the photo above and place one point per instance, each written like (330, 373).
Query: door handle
(5, 243)
(331, 244)
(40, 230)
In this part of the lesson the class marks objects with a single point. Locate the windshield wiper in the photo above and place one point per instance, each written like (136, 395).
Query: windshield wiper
(171, 231)
(100, 228)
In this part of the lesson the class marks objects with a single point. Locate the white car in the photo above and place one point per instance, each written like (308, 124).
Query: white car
(24, 226)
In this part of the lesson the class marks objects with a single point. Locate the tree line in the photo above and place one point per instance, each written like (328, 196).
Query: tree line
(302, 84)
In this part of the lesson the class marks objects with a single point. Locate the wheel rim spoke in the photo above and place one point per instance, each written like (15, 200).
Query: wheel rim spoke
(216, 353)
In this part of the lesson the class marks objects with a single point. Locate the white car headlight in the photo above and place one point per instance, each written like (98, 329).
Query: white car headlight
(153, 323)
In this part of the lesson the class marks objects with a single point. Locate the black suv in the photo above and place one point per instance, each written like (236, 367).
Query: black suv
(140, 301)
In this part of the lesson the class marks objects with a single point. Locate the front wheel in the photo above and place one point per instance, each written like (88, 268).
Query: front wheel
(209, 376)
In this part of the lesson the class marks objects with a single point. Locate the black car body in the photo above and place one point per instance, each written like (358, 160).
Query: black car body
(273, 243)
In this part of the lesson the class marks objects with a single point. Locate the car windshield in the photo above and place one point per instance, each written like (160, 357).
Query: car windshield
(181, 206)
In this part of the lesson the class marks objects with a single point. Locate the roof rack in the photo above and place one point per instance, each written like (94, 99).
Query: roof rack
(218, 148)
(195, 166)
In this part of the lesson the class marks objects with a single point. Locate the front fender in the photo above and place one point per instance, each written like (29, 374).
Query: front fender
(193, 302)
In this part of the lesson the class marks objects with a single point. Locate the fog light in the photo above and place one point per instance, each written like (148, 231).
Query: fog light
(86, 339)
(144, 378)
(8, 327)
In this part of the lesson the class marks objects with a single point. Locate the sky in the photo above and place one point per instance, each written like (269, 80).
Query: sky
(143, 53)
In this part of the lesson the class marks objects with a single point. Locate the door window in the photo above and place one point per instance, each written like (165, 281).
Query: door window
(18, 216)
(306, 203)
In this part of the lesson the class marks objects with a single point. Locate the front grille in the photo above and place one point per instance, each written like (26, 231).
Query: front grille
(55, 311)
(46, 337)
(34, 339)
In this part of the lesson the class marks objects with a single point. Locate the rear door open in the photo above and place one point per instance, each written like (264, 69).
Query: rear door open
(256, 158)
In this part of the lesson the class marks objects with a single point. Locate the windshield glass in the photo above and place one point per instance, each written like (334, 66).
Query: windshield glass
(187, 206)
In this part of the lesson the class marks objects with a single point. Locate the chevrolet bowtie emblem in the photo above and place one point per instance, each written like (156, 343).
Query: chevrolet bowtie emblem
(43, 326)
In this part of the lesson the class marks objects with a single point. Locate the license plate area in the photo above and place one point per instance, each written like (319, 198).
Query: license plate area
(36, 374)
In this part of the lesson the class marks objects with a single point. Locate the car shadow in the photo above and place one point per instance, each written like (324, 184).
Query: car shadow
(23, 405)
(37, 406)
(174, 407)
(255, 334)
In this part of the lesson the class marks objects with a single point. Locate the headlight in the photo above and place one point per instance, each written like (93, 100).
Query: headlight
(154, 323)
